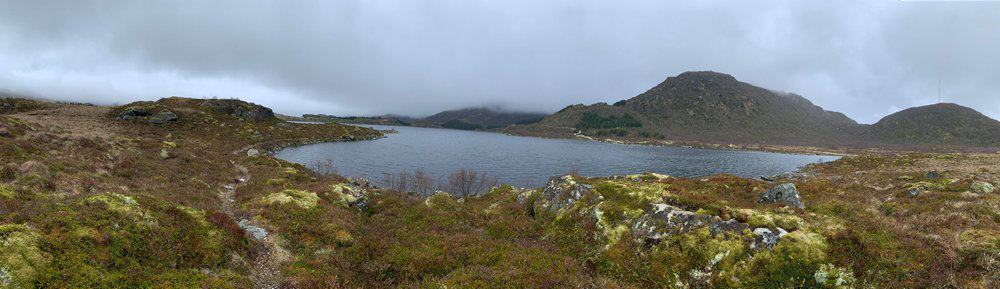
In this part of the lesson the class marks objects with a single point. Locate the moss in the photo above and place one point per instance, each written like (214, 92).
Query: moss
(6, 192)
(169, 144)
(124, 205)
(978, 247)
(343, 237)
(302, 198)
(440, 199)
(21, 260)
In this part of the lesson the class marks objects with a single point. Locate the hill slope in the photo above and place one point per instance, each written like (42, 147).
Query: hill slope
(945, 124)
(710, 107)
(478, 118)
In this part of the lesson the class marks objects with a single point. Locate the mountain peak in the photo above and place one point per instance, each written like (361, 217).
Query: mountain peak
(703, 76)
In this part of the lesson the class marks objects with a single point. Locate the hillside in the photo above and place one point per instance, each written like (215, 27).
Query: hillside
(373, 120)
(477, 118)
(943, 124)
(716, 109)
(707, 107)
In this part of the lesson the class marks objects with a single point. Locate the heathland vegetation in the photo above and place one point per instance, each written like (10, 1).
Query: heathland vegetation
(183, 193)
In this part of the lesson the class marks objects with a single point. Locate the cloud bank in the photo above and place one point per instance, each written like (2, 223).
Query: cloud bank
(863, 58)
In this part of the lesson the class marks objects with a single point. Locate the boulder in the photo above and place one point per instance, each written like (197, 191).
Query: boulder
(134, 113)
(163, 117)
(253, 152)
(982, 187)
(766, 238)
(663, 220)
(562, 192)
(933, 175)
(783, 193)
(255, 231)
(913, 192)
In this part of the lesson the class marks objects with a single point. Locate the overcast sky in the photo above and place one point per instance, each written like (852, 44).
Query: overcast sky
(863, 58)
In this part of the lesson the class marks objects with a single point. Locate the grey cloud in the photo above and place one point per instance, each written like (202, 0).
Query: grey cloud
(864, 58)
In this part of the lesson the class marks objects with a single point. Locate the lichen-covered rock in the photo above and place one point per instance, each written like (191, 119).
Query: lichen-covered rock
(982, 187)
(20, 258)
(765, 238)
(350, 195)
(163, 117)
(662, 220)
(562, 192)
(933, 175)
(300, 198)
(783, 193)
(831, 276)
(253, 152)
(255, 231)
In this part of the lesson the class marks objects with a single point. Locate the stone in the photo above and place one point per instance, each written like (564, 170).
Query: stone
(164, 154)
(981, 187)
(913, 192)
(257, 232)
(784, 193)
(562, 192)
(663, 220)
(253, 152)
(163, 117)
(766, 238)
(933, 175)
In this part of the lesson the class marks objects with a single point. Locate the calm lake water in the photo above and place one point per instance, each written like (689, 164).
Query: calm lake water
(529, 162)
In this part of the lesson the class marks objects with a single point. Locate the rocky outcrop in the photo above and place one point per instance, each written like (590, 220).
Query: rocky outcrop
(239, 109)
(662, 220)
(784, 194)
(147, 114)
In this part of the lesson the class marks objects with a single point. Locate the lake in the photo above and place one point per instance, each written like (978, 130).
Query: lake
(528, 161)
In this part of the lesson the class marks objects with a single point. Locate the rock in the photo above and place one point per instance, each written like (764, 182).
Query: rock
(913, 192)
(257, 232)
(253, 152)
(134, 113)
(164, 154)
(350, 195)
(932, 175)
(783, 193)
(163, 117)
(982, 187)
(562, 192)
(766, 239)
(663, 220)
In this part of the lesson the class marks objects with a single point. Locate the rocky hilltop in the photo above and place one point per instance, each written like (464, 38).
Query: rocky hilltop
(943, 124)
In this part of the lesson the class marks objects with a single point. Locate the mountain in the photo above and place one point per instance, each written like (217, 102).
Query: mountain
(478, 118)
(944, 124)
(705, 106)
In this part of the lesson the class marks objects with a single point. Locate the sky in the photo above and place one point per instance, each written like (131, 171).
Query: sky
(863, 58)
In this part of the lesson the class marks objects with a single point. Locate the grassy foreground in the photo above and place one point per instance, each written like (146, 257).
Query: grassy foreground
(90, 200)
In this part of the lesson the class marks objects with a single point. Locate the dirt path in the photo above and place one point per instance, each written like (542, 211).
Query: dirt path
(268, 255)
